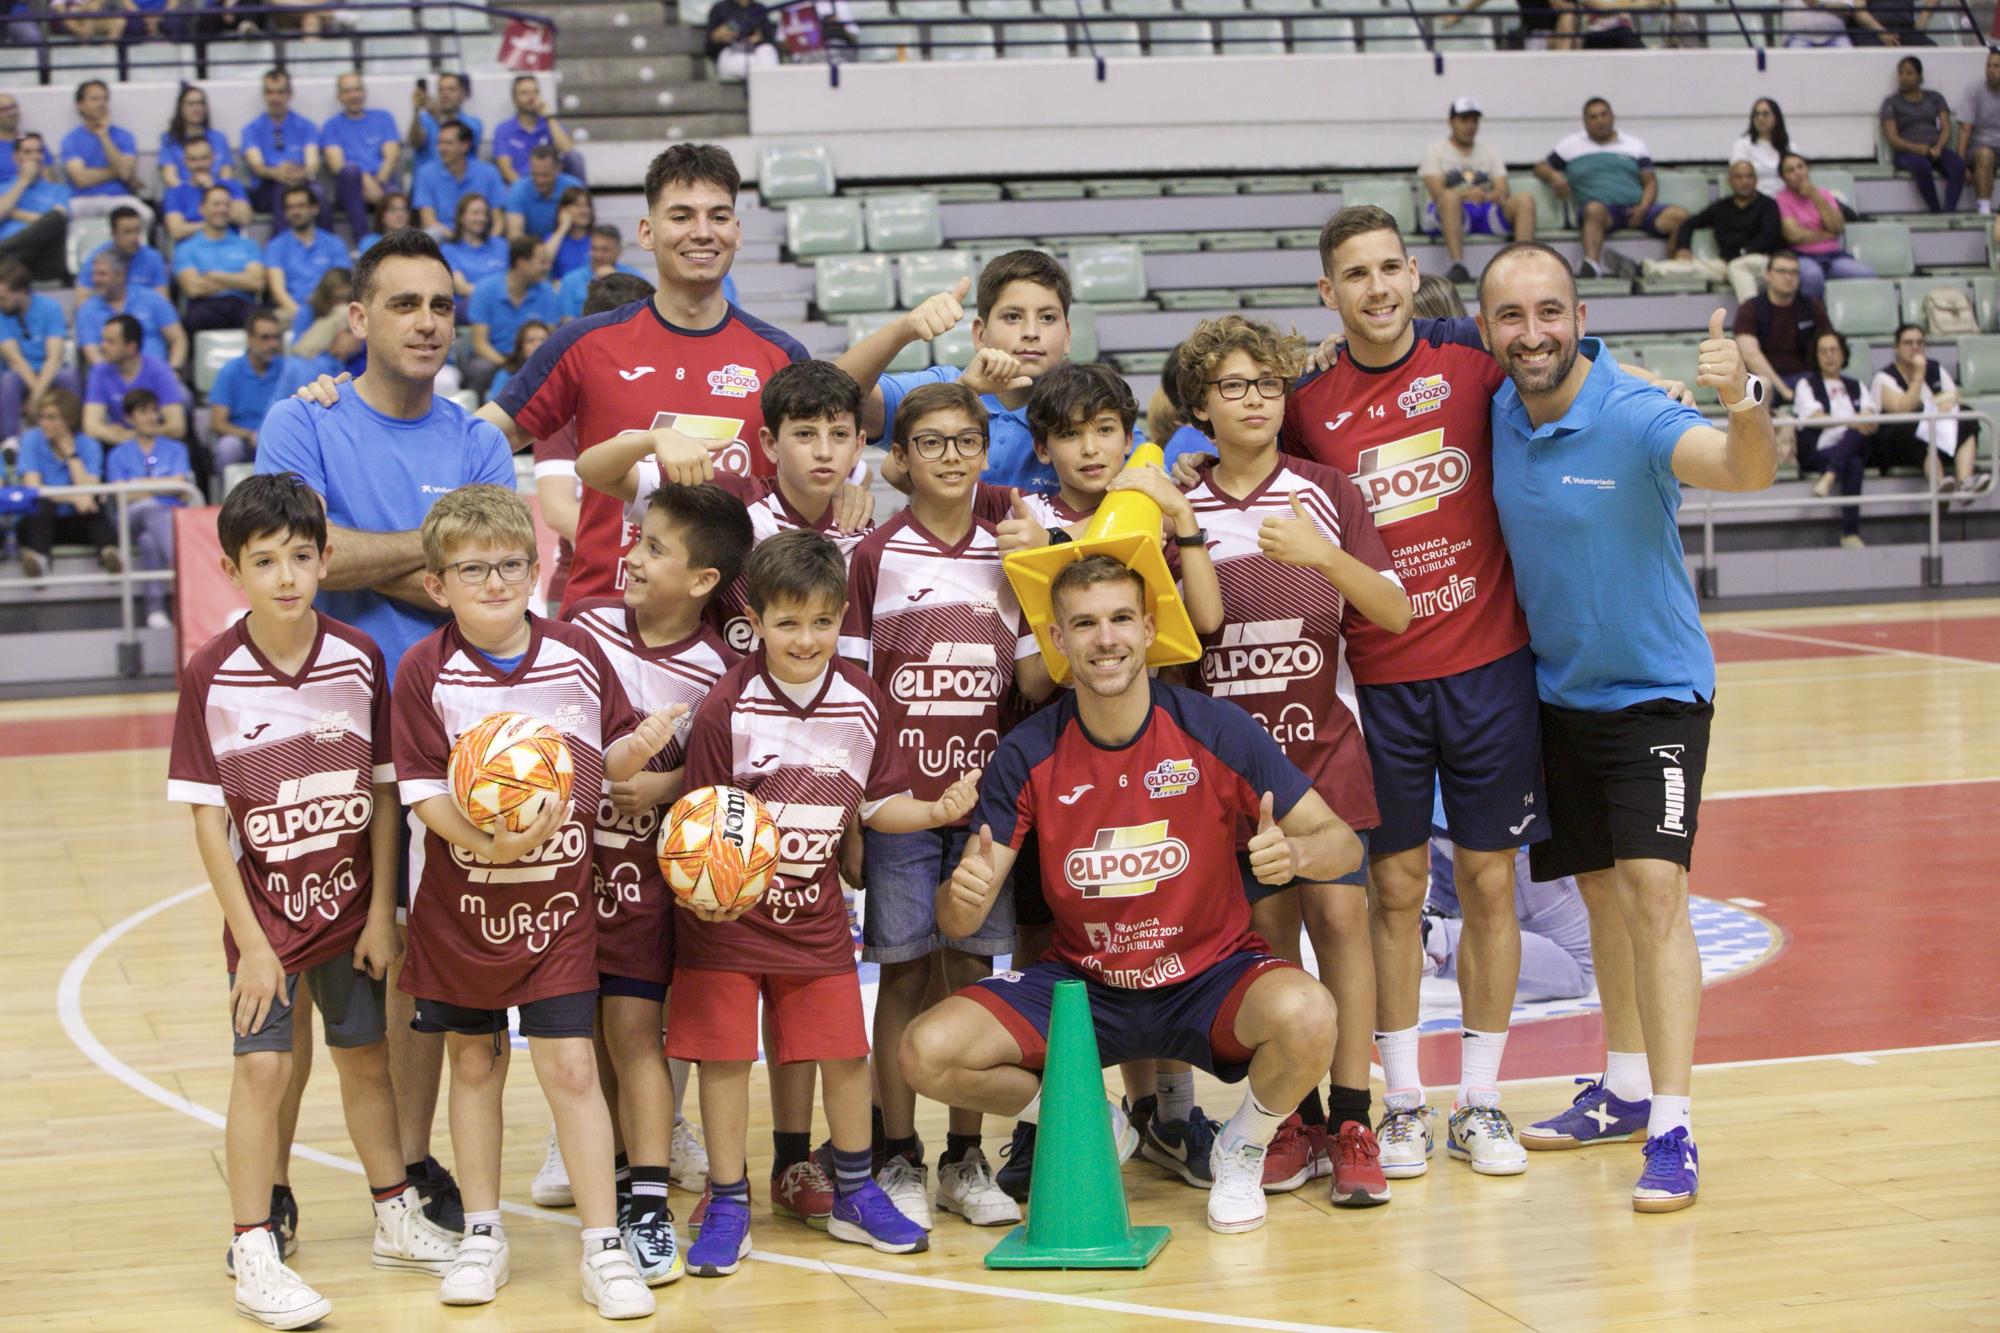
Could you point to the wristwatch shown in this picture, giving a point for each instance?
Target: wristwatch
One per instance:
(1753, 395)
(1199, 537)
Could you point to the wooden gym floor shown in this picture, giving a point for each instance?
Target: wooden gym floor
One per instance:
(1850, 1081)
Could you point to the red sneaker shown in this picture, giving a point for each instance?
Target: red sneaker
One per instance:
(804, 1193)
(700, 1213)
(1358, 1181)
(1288, 1161)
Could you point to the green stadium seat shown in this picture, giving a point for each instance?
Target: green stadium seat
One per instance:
(214, 349)
(1034, 41)
(1913, 294)
(1000, 9)
(1551, 212)
(929, 9)
(823, 227)
(1979, 364)
(964, 41)
(1139, 363)
(1702, 244)
(1199, 298)
(915, 356)
(1142, 9)
(1198, 185)
(1281, 6)
(1164, 242)
(886, 43)
(1835, 182)
(1059, 189)
(1986, 300)
(795, 171)
(1181, 37)
(1280, 298)
(904, 222)
(966, 192)
(1883, 246)
(1391, 33)
(1669, 360)
(853, 284)
(1114, 39)
(1323, 34)
(924, 274)
(1863, 305)
(1123, 187)
(871, 11)
(1392, 195)
(1299, 238)
(1860, 360)
(1108, 273)
(953, 348)
(1685, 189)
(1253, 37)
(1082, 333)
(1069, 9)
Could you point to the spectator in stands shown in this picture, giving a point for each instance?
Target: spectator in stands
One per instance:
(534, 198)
(1915, 383)
(504, 302)
(1609, 176)
(1748, 231)
(473, 251)
(34, 214)
(33, 330)
(111, 295)
(1917, 123)
(150, 450)
(1892, 22)
(245, 388)
(1467, 182)
(321, 339)
(1838, 453)
(363, 151)
(1816, 23)
(1777, 331)
(10, 134)
(1763, 144)
(126, 367)
(90, 20)
(1814, 226)
(144, 266)
(438, 187)
(295, 257)
(431, 112)
(1437, 298)
(1979, 130)
(1167, 423)
(280, 147)
(532, 335)
(1608, 25)
(180, 210)
(532, 127)
(740, 34)
(220, 270)
(392, 213)
(100, 160)
(569, 243)
(606, 244)
(190, 124)
(56, 452)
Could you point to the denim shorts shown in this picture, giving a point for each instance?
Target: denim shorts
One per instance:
(902, 872)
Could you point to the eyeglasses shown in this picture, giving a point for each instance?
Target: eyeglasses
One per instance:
(930, 448)
(1233, 387)
(472, 573)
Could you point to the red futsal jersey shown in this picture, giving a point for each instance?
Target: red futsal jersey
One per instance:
(1138, 842)
(635, 912)
(1417, 439)
(486, 936)
(813, 764)
(939, 631)
(295, 760)
(628, 369)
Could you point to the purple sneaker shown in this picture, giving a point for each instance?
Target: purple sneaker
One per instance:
(866, 1217)
(1672, 1174)
(724, 1239)
(1595, 1116)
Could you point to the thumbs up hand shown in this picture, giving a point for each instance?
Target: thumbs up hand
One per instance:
(939, 314)
(1296, 540)
(958, 799)
(972, 882)
(1020, 530)
(1273, 857)
(994, 371)
(1720, 363)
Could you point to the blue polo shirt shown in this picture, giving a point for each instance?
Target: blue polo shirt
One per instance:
(146, 268)
(518, 145)
(492, 306)
(381, 474)
(574, 289)
(361, 137)
(39, 197)
(185, 200)
(303, 262)
(232, 252)
(107, 387)
(39, 456)
(475, 263)
(173, 153)
(80, 145)
(427, 153)
(538, 209)
(295, 133)
(572, 252)
(153, 311)
(1010, 449)
(249, 395)
(1588, 506)
(439, 189)
(33, 327)
(132, 461)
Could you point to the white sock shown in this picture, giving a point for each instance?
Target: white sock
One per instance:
(1628, 1076)
(677, 1074)
(1479, 1067)
(1668, 1112)
(1251, 1124)
(1176, 1094)
(1985, 205)
(1405, 1086)
(1032, 1112)
(489, 1219)
(599, 1238)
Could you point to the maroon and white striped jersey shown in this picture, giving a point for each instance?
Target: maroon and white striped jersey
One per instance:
(635, 911)
(1280, 653)
(295, 760)
(813, 765)
(487, 936)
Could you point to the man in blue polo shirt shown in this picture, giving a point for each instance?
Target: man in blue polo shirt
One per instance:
(431, 112)
(606, 244)
(100, 160)
(534, 199)
(32, 333)
(219, 269)
(1588, 465)
(144, 266)
(380, 457)
(437, 188)
(180, 207)
(281, 147)
(502, 303)
(125, 368)
(245, 388)
(531, 126)
(296, 257)
(34, 213)
(162, 334)
(363, 150)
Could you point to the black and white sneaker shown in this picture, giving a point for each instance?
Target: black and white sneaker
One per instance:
(285, 1227)
(442, 1204)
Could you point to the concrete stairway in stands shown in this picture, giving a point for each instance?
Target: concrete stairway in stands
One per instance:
(633, 72)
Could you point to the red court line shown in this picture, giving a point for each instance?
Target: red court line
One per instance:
(1735, 646)
(1976, 637)
(76, 735)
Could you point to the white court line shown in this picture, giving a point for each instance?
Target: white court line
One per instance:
(69, 1006)
(1839, 789)
(1879, 649)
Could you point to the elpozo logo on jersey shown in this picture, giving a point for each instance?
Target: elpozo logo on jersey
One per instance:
(1426, 394)
(1410, 477)
(734, 381)
(1126, 862)
(1260, 656)
(955, 680)
(310, 813)
(1172, 777)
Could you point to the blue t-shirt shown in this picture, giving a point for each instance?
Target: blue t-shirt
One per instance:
(574, 290)
(1186, 440)
(39, 456)
(304, 262)
(146, 268)
(153, 311)
(1010, 449)
(280, 142)
(232, 252)
(517, 145)
(131, 461)
(80, 145)
(249, 395)
(538, 209)
(39, 197)
(33, 327)
(572, 252)
(1587, 505)
(381, 474)
(173, 153)
(492, 306)
(361, 137)
(427, 151)
(476, 262)
(361, 246)
(108, 387)
(436, 188)
(185, 200)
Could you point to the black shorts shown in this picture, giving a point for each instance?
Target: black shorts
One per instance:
(573, 1015)
(1030, 907)
(1622, 785)
(636, 988)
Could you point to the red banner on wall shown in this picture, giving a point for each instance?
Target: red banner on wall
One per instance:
(527, 46)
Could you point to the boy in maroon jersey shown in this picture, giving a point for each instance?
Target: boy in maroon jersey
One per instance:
(803, 731)
(281, 745)
(1294, 548)
(502, 919)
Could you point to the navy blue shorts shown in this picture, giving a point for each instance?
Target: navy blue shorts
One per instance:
(1477, 734)
(1192, 1020)
(573, 1015)
(1256, 890)
(1627, 215)
(637, 988)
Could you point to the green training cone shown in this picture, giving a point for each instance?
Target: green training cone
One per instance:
(1076, 1201)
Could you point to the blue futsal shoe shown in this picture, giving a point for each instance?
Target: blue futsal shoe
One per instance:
(1595, 1116)
(866, 1217)
(1672, 1174)
(724, 1239)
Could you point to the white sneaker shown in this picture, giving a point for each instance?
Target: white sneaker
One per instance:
(479, 1270)
(612, 1285)
(1123, 1133)
(1485, 1137)
(1407, 1139)
(551, 1187)
(269, 1292)
(407, 1240)
(687, 1163)
(907, 1184)
(967, 1187)
(1236, 1199)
